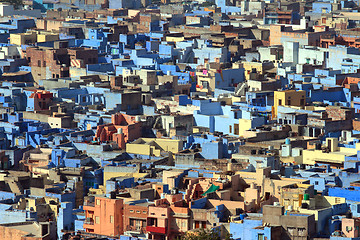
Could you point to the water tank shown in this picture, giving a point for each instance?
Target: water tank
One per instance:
(277, 204)
(96, 186)
(168, 73)
(306, 196)
(242, 216)
(120, 131)
(138, 118)
(287, 141)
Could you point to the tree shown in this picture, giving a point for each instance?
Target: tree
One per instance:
(207, 4)
(204, 234)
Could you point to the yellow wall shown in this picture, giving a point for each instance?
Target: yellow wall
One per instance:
(134, 148)
(334, 200)
(47, 37)
(289, 98)
(312, 155)
(248, 66)
(15, 39)
(175, 39)
(21, 38)
(170, 145)
(244, 125)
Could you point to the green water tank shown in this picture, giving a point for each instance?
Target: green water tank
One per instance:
(306, 196)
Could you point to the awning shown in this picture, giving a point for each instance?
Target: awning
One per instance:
(211, 189)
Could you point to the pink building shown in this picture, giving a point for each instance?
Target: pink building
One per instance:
(123, 128)
(169, 218)
(350, 227)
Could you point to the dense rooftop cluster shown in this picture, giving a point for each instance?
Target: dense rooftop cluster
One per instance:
(154, 119)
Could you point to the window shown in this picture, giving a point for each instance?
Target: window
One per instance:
(144, 212)
(260, 236)
(44, 63)
(289, 102)
(280, 102)
(292, 231)
(98, 202)
(39, 63)
(230, 129)
(111, 219)
(137, 211)
(316, 183)
(97, 220)
(301, 231)
(131, 211)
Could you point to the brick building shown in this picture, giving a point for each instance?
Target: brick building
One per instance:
(135, 217)
(123, 128)
(55, 62)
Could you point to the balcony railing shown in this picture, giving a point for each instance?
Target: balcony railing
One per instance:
(90, 204)
(154, 229)
(136, 229)
(89, 222)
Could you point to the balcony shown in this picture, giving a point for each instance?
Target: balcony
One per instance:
(89, 222)
(154, 229)
(89, 201)
(137, 229)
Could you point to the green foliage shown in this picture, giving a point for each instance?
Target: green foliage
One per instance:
(207, 4)
(204, 234)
